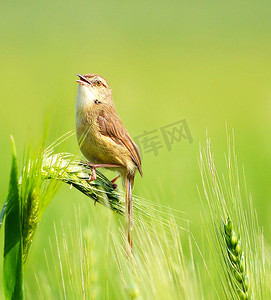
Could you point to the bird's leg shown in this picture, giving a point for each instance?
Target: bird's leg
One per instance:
(103, 165)
(95, 166)
(114, 180)
(93, 175)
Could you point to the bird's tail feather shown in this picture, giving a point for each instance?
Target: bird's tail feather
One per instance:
(129, 209)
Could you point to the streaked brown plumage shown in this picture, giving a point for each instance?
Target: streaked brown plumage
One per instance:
(102, 137)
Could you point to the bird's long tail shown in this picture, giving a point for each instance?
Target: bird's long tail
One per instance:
(129, 209)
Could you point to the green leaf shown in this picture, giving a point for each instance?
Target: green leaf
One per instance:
(13, 259)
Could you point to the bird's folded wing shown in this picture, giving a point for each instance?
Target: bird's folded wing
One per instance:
(111, 126)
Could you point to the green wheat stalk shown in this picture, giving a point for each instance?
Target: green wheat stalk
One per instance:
(40, 180)
(245, 267)
(236, 260)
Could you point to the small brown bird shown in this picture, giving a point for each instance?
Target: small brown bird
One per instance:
(102, 137)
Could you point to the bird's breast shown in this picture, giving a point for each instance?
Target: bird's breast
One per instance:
(101, 149)
(87, 139)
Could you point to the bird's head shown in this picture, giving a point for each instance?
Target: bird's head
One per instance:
(93, 90)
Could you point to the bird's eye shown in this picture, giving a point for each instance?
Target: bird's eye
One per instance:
(97, 101)
(98, 82)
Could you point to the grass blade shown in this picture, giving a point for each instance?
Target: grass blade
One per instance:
(13, 262)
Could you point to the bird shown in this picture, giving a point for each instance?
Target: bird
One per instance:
(103, 139)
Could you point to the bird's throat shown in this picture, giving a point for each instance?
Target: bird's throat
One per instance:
(84, 100)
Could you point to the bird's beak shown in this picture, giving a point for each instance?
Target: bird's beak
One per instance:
(83, 80)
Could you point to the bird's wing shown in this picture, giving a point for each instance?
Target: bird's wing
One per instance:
(111, 126)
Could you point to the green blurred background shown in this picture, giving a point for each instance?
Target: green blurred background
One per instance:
(207, 62)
